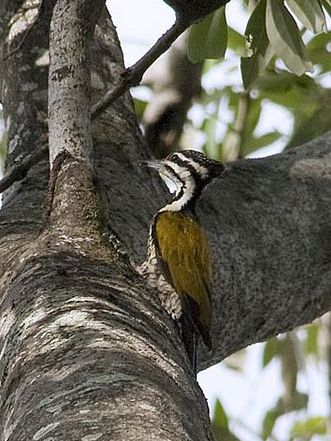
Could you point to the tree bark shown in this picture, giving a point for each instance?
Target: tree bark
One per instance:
(86, 350)
(84, 353)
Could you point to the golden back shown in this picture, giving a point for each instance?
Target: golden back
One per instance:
(183, 248)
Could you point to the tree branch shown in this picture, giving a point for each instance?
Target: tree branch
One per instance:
(187, 12)
(269, 226)
(133, 75)
(24, 98)
(71, 29)
(27, 32)
(77, 320)
(19, 171)
(268, 223)
(70, 129)
(195, 10)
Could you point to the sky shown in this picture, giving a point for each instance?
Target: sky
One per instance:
(248, 396)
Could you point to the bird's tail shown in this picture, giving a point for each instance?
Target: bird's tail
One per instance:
(189, 332)
(189, 337)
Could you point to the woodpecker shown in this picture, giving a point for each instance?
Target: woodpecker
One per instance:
(178, 257)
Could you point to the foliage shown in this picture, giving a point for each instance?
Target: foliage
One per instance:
(282, 65)
(271, 30)
(305, 430)
(291, 352)
(208, 39)
(276, 68)
(220, 426)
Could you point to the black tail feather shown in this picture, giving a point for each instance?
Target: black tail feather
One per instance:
(189, 331)
(189, 337)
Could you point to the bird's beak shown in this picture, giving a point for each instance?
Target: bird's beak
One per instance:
(164, 173)
(154, 163)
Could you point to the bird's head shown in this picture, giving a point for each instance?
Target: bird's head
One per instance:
(186, 173)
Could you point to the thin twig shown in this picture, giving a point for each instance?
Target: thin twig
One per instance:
(133, 75)
(19, 171)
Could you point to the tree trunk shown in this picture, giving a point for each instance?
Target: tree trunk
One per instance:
(86, 350)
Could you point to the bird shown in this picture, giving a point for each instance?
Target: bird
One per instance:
(178, 257)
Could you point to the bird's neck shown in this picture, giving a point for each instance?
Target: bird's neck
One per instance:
(186, 196)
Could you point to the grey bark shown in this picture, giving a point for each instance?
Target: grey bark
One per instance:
(86, 350)
(71, 30)
(81, 335)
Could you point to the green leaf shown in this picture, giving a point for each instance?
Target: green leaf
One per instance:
(208, 38)
(249, 142)
(271, 350)
(284, 37)
(269, 421)
(290, 91)
(3, 150)
(317, 50)
(220, 425)
(310, 13)
(284, 82)
(220, 418)
(298, 401)
(224, 435)
(237, 42)
(256, 143)
(327, 6)
(309, 103)
(210, 146)
(305, 430)
(139, 107)
(312, 119)
(261, 52)
(311, 343)
(253, 115)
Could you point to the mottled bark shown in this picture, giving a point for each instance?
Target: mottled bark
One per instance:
(84, 353)
(269, 222)
(71, 31)
(86, 350)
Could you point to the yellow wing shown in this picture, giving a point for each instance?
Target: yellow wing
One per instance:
(183, 248)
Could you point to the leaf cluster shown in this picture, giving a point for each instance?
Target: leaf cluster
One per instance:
(290, 352)
(271, 30)
(277, 53)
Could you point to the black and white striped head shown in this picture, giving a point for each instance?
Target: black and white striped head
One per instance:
(186, 173)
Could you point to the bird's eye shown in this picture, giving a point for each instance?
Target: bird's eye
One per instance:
(174, 156)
